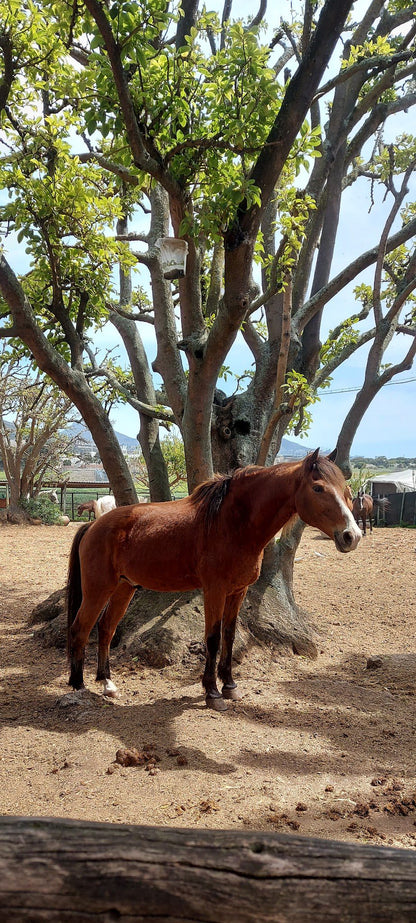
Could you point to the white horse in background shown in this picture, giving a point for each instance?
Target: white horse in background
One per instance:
(98, 507)
(50, 494)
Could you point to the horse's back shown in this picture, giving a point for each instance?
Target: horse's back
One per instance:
(142, 518)
(105, 504)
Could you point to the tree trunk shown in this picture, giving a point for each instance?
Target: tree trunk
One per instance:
(148, 436)
(270, 612)
(149, 428)
(55, 870)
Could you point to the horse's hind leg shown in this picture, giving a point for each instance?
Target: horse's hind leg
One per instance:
(231, 610)
(112, 615)
(79, 633)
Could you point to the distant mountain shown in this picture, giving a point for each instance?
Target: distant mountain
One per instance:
(128, 441)
(288, 448)
(79, 431)
(293, 449)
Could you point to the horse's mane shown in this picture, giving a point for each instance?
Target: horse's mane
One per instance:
(210, 495)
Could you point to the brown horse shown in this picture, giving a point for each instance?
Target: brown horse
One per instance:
(213, 539)
(97, 507)
(363, 506)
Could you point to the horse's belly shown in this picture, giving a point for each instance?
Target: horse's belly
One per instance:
(165, 583)
(162, 572)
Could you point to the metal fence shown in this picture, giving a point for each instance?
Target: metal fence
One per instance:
(70, 496)
(401, 510)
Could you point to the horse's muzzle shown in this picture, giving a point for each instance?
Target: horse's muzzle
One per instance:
(347, 540)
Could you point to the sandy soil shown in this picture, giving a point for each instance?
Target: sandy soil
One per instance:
(325, 748)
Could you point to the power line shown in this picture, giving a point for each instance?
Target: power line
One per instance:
(403, 381)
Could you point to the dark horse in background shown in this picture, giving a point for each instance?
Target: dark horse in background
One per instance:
(363, 507)
(213, 539)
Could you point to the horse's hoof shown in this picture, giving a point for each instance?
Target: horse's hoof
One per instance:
(231, 692)
(110, 690)
(216, 702)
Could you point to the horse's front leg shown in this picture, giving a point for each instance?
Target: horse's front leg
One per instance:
(112, 615)
(214, 606)
(232, 607)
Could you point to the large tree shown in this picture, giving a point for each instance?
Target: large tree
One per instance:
(167, 119)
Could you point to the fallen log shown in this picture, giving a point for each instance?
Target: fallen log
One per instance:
(68, 871)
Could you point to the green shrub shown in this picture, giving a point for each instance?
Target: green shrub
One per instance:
(43, 509)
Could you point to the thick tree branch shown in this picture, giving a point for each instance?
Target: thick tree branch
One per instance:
(299, 94)
(375, 65)
(8, 68)
(280, 406)
(348, 274)
(145, 155)
(156, 413)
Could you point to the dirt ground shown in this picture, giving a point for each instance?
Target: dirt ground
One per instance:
(324, 748)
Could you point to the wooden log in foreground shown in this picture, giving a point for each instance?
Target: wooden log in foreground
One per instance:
(69, 871)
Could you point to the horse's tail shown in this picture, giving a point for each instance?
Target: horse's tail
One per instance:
(73, 586)
(382, 502)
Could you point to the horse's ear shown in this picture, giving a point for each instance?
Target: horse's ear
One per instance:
(332, 456)
(311, 460)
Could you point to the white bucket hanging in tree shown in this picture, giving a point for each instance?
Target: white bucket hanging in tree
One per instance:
(173, 253)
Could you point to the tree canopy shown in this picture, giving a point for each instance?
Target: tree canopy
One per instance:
(126, 122)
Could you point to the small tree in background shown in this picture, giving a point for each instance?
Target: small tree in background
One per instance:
(174, 457)
(33, 414)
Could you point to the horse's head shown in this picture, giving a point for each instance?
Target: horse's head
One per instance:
(86, 507)
(360, 498)
(323, 500)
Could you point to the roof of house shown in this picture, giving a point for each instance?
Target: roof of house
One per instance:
(402, 480)
(86, 474)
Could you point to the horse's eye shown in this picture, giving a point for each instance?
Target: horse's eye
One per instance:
(318, 489)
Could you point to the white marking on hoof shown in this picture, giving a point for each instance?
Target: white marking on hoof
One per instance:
(110, 689)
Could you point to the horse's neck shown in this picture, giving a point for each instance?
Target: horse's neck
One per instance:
(270, 500)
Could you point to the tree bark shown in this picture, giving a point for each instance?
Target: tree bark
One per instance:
(271, 613)
(53, 870)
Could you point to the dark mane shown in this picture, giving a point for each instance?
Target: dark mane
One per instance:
(210, 495)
